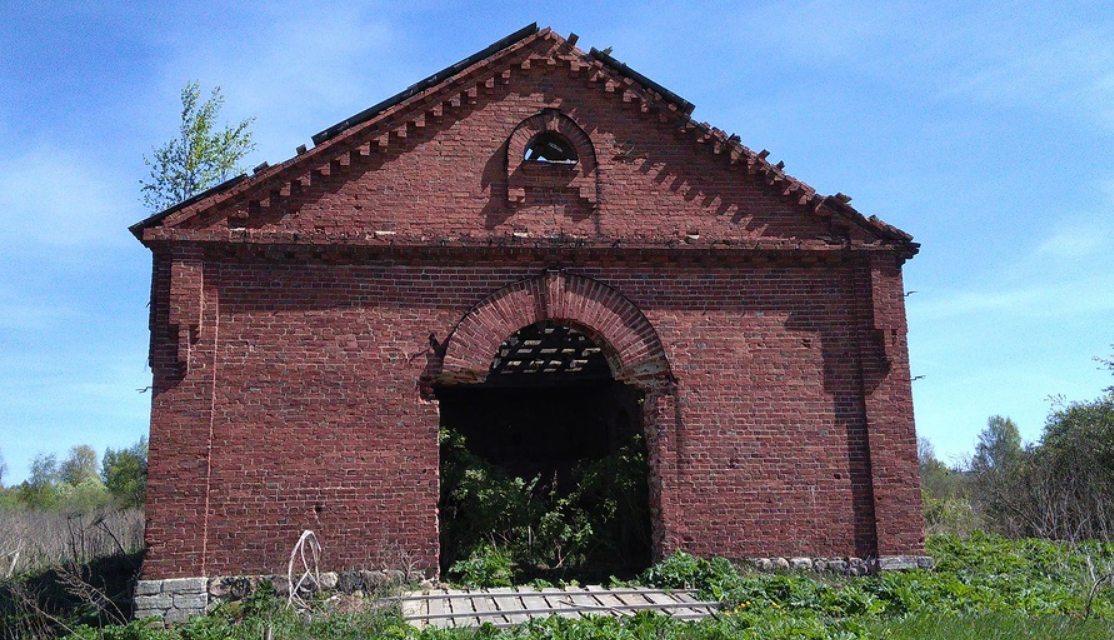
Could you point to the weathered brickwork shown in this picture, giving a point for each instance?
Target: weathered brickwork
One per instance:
(301, 320)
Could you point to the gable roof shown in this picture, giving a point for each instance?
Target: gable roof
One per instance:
(480, 70)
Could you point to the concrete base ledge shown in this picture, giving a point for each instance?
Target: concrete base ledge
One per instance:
(901, 563)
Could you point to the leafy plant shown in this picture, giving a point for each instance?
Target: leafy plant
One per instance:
(486, 567)
(201, 156)
(533, 523)
(124, 472)
(986, 587)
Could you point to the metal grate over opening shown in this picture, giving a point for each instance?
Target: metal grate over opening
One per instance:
(546, 352)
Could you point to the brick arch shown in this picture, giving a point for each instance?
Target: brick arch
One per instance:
(522, 175)
(630, 342)
(557, 122)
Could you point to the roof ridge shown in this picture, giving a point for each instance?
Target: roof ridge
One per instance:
(468, 77)
(425, 83)
(137, 228)
(349, 126)
(623, 69)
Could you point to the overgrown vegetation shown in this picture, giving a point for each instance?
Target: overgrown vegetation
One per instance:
(34, 540)
(202, 155)
(71, 539)
(1060, 487)
(263, 616)
(79, 484)
(984, 587)
(50, 602)
(1047, 572)
(497, 527)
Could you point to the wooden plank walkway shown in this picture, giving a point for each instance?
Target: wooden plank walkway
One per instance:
(507, 606)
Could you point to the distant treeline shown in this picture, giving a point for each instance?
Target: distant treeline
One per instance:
(1060, 487)
(80, 482)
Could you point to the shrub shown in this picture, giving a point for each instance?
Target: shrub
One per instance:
(533, 524)
(954, 516)
(486, 567)
(35, 540)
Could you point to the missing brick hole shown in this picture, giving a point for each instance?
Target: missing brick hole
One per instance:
(318, 508)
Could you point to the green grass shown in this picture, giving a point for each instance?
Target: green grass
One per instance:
(984, 588)
(991, 626)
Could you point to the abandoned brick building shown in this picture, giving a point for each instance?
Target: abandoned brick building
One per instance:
(535, 231)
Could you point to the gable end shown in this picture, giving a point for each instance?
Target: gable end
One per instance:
(383, 131)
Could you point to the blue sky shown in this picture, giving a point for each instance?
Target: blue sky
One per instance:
(985, 131)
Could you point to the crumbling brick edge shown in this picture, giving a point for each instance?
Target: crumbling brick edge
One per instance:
(176, 600)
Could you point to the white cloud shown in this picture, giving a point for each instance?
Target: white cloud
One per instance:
(1067, 272)
(1043, 58)
(29, 314)
(1085, 235)
(825, 31)
(56, 198)
(298, 70)
(1081, 295)
(1078, 240)
(1074, 72)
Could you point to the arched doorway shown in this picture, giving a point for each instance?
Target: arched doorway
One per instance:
(624, 370)
(545, 461)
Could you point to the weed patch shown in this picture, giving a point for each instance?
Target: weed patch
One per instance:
(984, 588)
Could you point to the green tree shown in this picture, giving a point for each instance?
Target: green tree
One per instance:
(1062, 487)
(81, 488)
(8, 497)
(79, 466)
(938, 480)
(944, 492)
(125, 474)
(996, 476)
(40, 489)
(202, 155)
(999, 446)
(1109, 364)
(72, 485)
(1075, 490)
(44, 470)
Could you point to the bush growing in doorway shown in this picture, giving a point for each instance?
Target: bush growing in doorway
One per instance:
(489, 515)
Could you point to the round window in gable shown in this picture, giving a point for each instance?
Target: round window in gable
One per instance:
(552, 148)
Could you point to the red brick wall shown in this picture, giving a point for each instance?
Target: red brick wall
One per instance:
(319, 421)
(291, 328)
(447, 179)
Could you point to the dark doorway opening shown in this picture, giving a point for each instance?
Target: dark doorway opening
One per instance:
(544, 464)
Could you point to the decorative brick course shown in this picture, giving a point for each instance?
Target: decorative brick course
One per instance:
(301, 320)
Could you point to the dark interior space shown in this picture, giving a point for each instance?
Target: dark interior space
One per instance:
(546, 431)
(550, 416)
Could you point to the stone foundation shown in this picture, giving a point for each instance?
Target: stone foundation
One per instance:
(172, 600)
(843, 566)
(178, 599)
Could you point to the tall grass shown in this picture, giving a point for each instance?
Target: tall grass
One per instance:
(33, 540)
(62, 568)
(997, 625)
